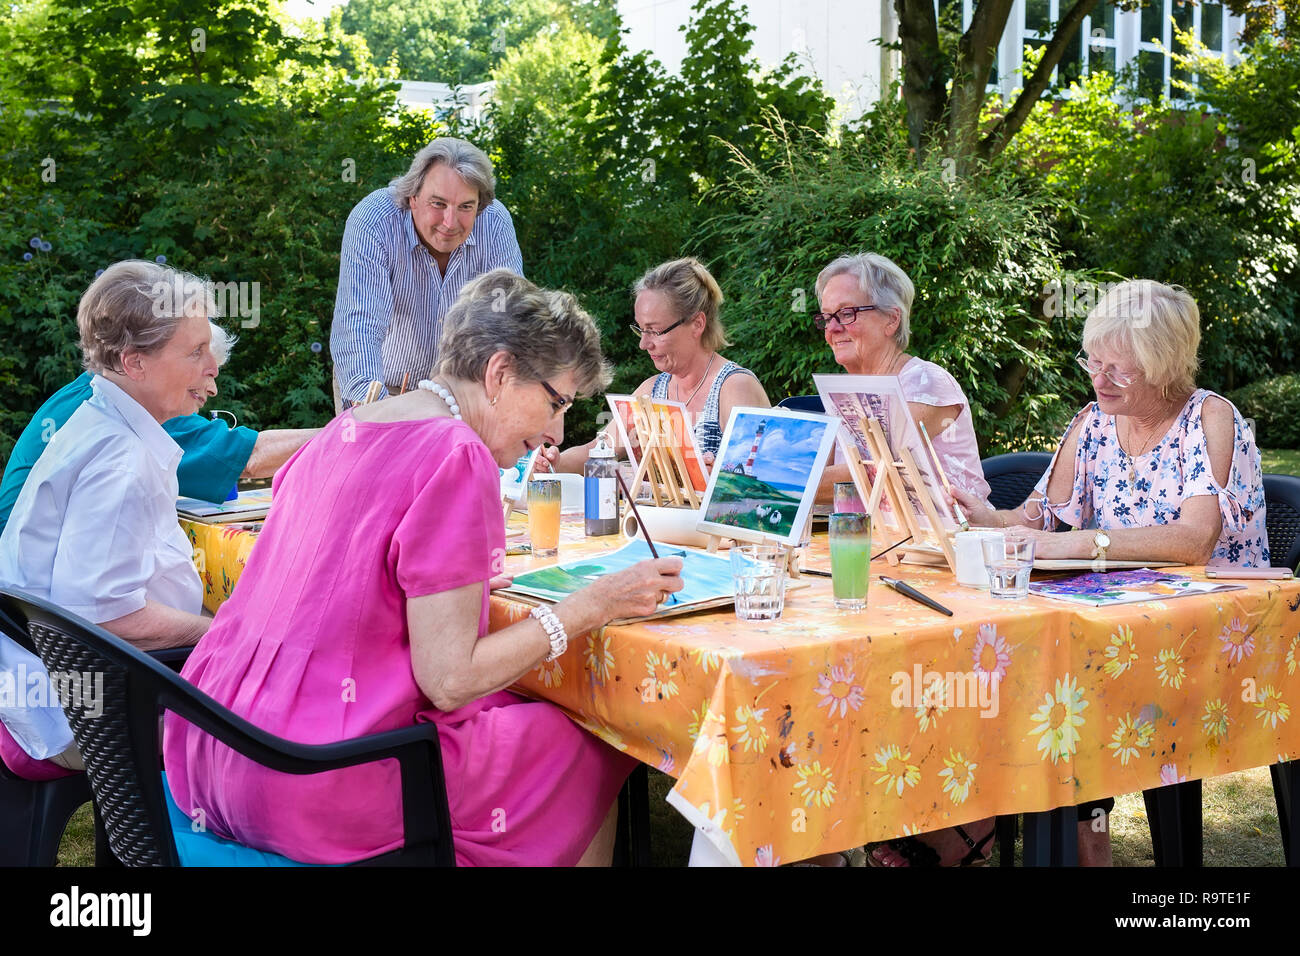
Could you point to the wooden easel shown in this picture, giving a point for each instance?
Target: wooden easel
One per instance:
(662, 467)
(891, 478)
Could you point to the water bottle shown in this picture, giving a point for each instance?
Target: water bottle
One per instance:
(600, 509)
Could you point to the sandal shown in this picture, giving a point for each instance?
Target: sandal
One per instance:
(924, 856)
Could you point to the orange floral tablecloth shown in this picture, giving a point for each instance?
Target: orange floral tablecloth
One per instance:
(827, 729)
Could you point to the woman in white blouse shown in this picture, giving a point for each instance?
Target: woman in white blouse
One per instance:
(94, 529)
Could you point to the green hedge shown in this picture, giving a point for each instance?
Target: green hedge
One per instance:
(1274, 404)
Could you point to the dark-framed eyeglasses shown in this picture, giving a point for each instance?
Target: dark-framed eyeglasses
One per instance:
(653, 334)
(845, 316)
(558, 402)
(1117, 378)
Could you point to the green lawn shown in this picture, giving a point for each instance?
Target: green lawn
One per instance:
(1285, 461)
(1240, 826)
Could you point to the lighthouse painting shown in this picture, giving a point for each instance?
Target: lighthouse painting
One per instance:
(767, 472)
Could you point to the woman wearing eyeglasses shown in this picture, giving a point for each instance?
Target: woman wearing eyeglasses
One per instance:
(866, 304)
(1155, 469)
(364, 608)
(676, 312)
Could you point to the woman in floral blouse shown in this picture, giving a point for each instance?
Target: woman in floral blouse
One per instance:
(1160, 470)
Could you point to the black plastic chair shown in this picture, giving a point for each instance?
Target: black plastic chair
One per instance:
(803, 403)
(34, 813)
(120, 747)
(1282, 519)
(1012, 477)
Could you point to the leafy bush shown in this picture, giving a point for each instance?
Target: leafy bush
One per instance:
(1274, 404)
(978, 252)
(1203, 200)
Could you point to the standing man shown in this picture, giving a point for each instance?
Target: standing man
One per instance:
(408, 250)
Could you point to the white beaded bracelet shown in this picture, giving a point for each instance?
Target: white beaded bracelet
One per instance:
(554, 630)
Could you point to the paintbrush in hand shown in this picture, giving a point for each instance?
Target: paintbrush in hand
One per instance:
(938, 467)
(641, 524)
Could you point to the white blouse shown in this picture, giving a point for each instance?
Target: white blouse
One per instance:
(94, 531)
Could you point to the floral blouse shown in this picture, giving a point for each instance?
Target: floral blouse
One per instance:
(1175, 469)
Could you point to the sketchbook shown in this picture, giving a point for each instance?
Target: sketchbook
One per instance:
(249, 506)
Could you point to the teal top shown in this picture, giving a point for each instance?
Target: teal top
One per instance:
(214, 455)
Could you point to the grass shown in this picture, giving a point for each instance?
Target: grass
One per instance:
(1284, 461)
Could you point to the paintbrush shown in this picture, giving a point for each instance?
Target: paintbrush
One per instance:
(938, 467)
(405, 378)
(641, 524)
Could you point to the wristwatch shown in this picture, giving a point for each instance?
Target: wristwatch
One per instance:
(1100, 542)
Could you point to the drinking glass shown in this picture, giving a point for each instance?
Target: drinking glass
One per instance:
(1008, 564)
(847, 500)
(850, 560)
(544, 516)
(758, 572)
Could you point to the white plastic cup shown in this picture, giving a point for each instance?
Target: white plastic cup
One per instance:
(971, 571)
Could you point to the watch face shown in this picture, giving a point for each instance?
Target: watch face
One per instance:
(1102, 539)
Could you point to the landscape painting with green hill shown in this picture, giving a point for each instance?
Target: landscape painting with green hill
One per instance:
(768, 468)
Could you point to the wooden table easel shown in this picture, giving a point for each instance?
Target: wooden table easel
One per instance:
(662, 467)
(891, 477)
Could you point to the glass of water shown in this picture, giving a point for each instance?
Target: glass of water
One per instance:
(1008, 564)
(758, 572)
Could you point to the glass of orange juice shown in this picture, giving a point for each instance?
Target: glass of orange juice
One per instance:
(544, 516)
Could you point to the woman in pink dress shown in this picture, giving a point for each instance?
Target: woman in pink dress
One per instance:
(866, 305)
(364, 608)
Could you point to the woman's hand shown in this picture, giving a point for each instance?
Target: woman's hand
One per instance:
(634, 592)
(979, 514)
(1047, 544)
(547, 460)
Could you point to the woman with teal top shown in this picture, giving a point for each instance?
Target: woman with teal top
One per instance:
(676, 319)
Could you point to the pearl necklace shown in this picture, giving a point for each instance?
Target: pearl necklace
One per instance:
(445, 394)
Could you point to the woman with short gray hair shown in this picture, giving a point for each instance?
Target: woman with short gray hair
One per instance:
(866, 308)
(390, 596)
(94, 527)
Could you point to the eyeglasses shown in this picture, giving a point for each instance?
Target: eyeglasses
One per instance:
(845, 316)
(558, 402)
(653, 334)
(1118, 379)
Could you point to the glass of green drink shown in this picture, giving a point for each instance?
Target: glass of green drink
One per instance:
(850, 559)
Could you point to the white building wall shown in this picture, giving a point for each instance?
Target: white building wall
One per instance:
(833, 40)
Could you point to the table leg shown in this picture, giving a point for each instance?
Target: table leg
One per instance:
(1286, 781)
(1174, 812)
(1051, 838)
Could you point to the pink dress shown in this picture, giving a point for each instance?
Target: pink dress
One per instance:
(928, 384)
(1112, 490)
(313, 646)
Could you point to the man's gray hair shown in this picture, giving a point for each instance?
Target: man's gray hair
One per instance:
(545, 332)
(136, 305)
(882, 281)
(470, 162)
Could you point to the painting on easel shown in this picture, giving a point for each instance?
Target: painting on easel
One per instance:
(880, 397)
(765, 479)
(660, 430)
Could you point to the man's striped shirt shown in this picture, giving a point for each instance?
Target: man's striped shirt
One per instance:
(392, 297)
